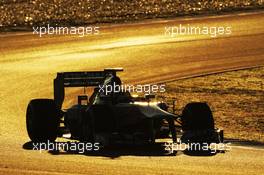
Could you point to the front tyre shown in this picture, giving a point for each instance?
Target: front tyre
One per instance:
(42, 120)
(198, 124)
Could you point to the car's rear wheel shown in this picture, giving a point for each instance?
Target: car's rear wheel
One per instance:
(42, 120)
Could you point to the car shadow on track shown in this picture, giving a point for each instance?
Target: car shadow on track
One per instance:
(110, 151)
(121, 150)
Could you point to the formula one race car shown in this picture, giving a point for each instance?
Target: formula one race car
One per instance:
(116, 117)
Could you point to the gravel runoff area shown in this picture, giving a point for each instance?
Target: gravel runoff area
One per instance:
(236, 99)
(22, 14)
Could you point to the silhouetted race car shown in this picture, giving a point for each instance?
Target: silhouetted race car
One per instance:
(116, 117)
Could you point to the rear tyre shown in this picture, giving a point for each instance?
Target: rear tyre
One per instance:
(42, 120)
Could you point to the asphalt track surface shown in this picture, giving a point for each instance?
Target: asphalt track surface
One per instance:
(29, 63)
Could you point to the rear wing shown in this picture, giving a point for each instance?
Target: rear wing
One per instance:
(79, 79)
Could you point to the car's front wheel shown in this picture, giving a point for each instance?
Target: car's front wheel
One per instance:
(198, 124)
